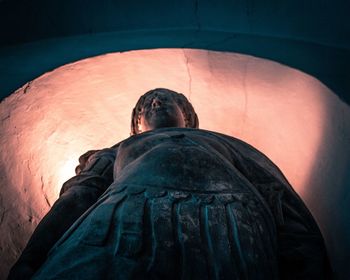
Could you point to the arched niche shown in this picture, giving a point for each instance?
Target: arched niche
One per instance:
(290, 116)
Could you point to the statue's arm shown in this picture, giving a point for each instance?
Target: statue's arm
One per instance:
(94, 175)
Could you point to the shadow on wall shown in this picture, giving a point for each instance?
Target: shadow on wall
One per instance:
(330, 195)
(291, 117)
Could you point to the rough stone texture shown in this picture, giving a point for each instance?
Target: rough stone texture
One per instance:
(187, 204)
(291, 117)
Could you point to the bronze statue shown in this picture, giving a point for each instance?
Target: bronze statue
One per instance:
(175, 202)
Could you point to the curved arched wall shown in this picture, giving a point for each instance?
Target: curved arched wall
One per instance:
(38, 36)
(290, 116)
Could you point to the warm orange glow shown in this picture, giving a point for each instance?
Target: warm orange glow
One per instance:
(66, 171)
(87, 105)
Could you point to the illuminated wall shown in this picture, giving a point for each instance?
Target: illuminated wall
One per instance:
(290, 116)
(307, 124)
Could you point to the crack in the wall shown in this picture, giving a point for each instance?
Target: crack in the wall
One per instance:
(210, 64)
(28, 166)
(3, 211)
(2, 216)
(5, 118)
(189, 75)
(27, 87)
(45, 195)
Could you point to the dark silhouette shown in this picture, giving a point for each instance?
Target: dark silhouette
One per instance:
(175, 202)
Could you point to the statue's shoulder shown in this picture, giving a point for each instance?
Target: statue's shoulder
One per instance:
(116, 146)
(247, 153)
(233, 142)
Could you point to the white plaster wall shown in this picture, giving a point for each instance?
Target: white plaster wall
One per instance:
(291, 117)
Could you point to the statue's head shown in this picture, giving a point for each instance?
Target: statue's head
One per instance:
(162, 107)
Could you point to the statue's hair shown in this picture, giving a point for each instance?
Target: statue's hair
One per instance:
(191, 118)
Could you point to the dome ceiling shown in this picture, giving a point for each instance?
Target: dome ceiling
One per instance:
(38, 36)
